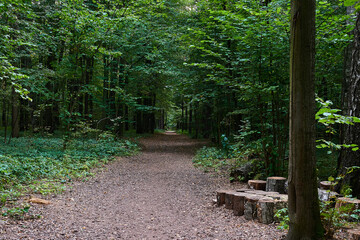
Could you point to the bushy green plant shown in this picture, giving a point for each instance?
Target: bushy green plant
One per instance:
(332, 218)
(16, 212)
(282, 215)
(210, 158)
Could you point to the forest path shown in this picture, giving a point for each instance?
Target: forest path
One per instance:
(157, 194)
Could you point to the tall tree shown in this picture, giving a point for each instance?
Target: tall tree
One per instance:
(351, 107)
(304, 212)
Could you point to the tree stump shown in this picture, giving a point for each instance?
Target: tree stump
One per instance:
(242, 189)
(250, 212)
(275, 184)
(220, 197)
(239, 203)
(265, 210)
(277, 196)
(257, 192)
(343, 201)
(326, 195)
(257, 184)
(327, 185)
(229, 196)
(354, 234)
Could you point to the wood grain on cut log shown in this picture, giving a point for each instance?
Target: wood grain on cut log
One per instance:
(265, 210)
(277, 196)
(229, 195)
(242, 189)
(327, 185)
(239, 203)
(220, 197)
(343, 201)
(275, 184)
(354, 234)
(257, 192)
(257, 184)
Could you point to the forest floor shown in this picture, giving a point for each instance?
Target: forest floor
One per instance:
(157, 194)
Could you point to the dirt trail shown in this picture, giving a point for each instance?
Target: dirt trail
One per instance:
(157, 194)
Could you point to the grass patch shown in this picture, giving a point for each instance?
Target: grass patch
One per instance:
(40, 164)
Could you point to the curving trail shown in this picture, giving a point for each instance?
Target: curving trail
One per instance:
(157, 194)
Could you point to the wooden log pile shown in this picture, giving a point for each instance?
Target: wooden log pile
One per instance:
(252, 204)
(354, 234)
(264, 198)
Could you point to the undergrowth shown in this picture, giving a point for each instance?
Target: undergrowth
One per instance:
(41, 165)
(210, 158)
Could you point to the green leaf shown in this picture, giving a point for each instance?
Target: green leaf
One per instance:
(348, 3)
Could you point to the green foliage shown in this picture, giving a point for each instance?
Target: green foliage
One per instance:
(334, 219)
(17, 213)
(282, 215)
(210, 158)
(43, 165)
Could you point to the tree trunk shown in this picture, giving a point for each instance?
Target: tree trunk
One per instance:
(304, 212)
(351, 107)
(190, 118)
(15, 121)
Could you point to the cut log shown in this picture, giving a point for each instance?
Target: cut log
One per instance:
(242, 189)
(326, 195)
(265, 210)
(278, 196)
(354, 234)
(239, 203)
(256, 192)
(250, 210)
(275, 184)
(257, 184)
(39, 201)
(229, 196)
(327, 185)
(343, 201)
(220, 197)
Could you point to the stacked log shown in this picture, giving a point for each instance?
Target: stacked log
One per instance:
(229, 196)
(220, 197)
(265, 210)
(257, 184)
(253, 204)
(327, 185)
(354, 234)
(239, 203)
(275, 184)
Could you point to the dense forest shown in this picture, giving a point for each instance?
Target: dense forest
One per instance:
(215, 69)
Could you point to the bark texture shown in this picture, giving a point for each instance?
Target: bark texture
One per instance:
(304, 211)
(351, 107)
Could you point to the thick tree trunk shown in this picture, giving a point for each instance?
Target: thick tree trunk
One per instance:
(304, 212)
(351, 107)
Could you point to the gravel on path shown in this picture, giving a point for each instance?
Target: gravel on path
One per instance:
(157, 194)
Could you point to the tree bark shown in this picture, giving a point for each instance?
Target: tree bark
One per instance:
(15, 121)
(304, 211)
(350, 134)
